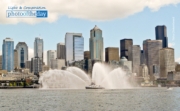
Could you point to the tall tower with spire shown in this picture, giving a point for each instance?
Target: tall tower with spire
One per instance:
(96, 44)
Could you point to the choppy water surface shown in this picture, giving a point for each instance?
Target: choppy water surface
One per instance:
(144, 99)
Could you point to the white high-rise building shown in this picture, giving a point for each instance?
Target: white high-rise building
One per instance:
(74, 43)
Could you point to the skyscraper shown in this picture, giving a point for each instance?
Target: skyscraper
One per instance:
(74, 43)
(151, 49)
(22, 50)
(124, 45)
(161, 34)
(51, 54)
(78, 48)
(61, 51)
(96, 44)
(111, 53)
(166, 61)
(8, 54)
(134, 56)
(38, 48)
(16, 59)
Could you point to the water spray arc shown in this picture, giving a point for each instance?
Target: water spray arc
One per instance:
(75, 78)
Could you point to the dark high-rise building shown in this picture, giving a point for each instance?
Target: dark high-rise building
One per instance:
(86, 54)
(124, 45)
(111, 53)
(161, 34)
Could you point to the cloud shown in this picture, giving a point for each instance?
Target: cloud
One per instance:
(95, 10)
(171, 45)
(31, 54)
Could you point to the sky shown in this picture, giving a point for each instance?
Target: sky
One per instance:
(118, 19)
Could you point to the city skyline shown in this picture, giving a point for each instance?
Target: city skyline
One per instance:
(133, 26)
(31, 54)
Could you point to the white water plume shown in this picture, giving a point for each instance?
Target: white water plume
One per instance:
(75, 78)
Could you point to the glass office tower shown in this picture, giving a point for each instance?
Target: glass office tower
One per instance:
(22, 50)
(74, 46)
(78, 48)
(96, 44)
(161, 34)
(8, 54)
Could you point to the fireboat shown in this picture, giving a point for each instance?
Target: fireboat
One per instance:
(93, 86)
